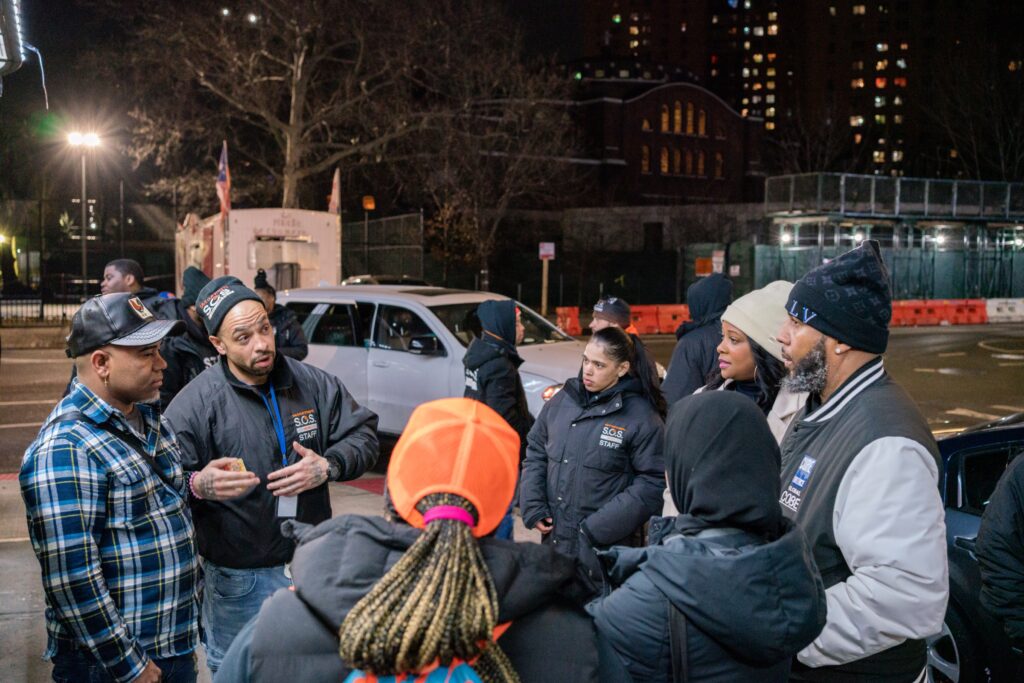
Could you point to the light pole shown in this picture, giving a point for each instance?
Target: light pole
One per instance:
(84, 141)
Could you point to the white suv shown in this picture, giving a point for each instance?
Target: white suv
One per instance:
(395, 346)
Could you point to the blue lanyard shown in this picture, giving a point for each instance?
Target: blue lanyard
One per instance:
(275, 417)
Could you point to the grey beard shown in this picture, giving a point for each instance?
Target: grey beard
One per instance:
(810, 374)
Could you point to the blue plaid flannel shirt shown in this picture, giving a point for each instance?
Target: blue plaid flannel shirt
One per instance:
(115, 543)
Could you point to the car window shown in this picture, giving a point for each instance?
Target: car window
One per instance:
(335, 328)
(980, 471)
(396, 326)
(461, 320)
(301, 309)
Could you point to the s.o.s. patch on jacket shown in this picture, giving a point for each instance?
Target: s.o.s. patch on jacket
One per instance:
(611, 436)
(305, 424)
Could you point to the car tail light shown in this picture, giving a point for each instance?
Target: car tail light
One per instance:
(550, 392)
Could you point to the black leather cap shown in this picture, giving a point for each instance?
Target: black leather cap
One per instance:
(118, 319)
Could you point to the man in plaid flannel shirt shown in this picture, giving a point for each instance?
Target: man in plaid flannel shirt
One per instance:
(107, 506)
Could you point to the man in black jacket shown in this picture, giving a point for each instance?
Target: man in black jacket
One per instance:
(289, 337)
(1000, 551)
(187, 355)
(125, 275)
(694, 357)
(294, 426)
(492, 373)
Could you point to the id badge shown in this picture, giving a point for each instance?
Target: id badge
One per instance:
(287, 506)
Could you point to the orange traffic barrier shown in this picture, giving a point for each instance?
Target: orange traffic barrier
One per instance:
(965, 311)
(568, 318)
(671, 317)
(645, 319)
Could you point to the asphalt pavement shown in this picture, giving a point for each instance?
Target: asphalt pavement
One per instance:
(959, 376)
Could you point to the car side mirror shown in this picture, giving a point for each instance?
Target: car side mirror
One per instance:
(427, 345)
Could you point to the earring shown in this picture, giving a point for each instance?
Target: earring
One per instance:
(838, 351)
(106, 381)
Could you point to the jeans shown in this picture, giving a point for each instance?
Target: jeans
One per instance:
(81, 667)
(231, 598)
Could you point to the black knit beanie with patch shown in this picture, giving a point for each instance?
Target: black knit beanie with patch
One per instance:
(849, 299)
(218, 297)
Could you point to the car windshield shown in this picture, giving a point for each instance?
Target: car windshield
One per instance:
(462, 321)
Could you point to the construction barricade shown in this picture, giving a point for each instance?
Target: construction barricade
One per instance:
(671, 317)
(645, 319)
(1004, 310)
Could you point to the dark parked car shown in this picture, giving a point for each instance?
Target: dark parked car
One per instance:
(972, 646)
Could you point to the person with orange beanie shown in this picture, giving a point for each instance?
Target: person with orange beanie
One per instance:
(430, 595)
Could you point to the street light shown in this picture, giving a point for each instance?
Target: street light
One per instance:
(84, 141)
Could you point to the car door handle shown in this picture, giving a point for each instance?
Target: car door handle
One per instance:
(967, 543)
(381, 363)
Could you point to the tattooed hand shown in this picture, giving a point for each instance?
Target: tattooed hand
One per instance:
(308, 473)
(218, 481)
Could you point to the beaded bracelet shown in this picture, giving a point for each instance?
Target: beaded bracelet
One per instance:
(192, 485)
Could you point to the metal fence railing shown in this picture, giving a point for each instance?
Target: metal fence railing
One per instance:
(884, 196)
(20, 310)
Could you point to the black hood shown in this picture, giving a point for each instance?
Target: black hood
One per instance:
(499, 319)
(707, 299)
(723, 465)
(481, 351)
(337, 562)
(194, 330)
(721, 585)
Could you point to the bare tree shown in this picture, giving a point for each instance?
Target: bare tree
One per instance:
(813, 142)
(300, 86)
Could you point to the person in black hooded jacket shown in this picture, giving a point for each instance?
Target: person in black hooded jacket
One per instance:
(492, 366)
(695, 357)
(289, 337)
(187, 355)
(594, 473)
(733, 578)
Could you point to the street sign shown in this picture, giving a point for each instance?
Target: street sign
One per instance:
(547, 251)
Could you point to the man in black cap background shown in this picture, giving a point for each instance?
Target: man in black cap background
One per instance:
(292, 425)
(611, 311)
(289, 338)
(106, 501)
(859, 476)
(188, 354)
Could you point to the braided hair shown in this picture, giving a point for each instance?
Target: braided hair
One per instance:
(437, 603)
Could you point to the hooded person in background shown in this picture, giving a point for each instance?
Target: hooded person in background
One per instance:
(187, 355)
(289, 337)
(464, 603)
(695, 355)
(492, 374)
(730, 583)
(860, 471)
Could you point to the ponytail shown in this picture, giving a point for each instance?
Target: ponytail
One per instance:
(620, 347)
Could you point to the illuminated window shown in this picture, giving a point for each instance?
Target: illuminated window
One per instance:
(880, 82)
(759, 30)
(856, 121)
(769, 98)
(879, 101)
(879, 156)
(897, 155)
(702, 123)
(714, 72)
(746, 44)
(897, 101)
(754, 72)
(664, 118)
(904, 46)
(1015, 65)
(857, 83)
(953, 154)
(880, 119)
(859, 9)
(645, 159)
(858, 65)
(769, 125)
(746, 30)
(634, 30)
(758, 57)
(634, 44)
(770, 85)
(773, 29)
(677, 162)
(689, 118)
(770, 71)
(745, 101)
(616, 18)
(719, 165)
(901, 63)
(646, 125)
(746, 72)
(677, 117)
(744, 111)
(700, 163)
(634, 17)
(756, 86)
(771, 57)
(832, 10)
(714, 18)
(682, 27)
(897, 118)
(689, 162)
(900, 81)
(882, 47)
(857, 138)
(599, 73)
(756, 99)
(664, 161)
(881, 65)
(773, 16)
(770, 112)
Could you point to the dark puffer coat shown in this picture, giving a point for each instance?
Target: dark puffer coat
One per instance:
(187, 355)
(295, 636)
(1000, 552)
(750, 606)
(594, 465)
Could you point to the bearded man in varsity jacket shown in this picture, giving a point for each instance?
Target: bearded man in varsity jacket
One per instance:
(859, 476)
